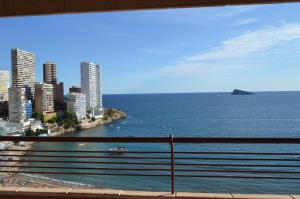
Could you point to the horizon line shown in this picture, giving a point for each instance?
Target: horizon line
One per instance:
(197, 92)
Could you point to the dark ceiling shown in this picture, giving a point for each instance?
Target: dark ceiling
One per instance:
(11, 8)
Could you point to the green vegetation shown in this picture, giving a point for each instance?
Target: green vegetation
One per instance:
(52, 120)
(38, 132)
(38, 116)
(109, 112)
(69, 120)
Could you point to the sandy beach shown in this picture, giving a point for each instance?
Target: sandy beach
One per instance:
(10, 177)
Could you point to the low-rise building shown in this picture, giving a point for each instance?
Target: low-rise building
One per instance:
(76, 103)
(75, 89)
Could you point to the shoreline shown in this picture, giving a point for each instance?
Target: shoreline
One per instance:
(110, 116)
(13, 178)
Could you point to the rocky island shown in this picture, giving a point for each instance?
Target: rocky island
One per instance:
(241, 92)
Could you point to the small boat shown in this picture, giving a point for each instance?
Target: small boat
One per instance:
(118, 150)
(82, 144)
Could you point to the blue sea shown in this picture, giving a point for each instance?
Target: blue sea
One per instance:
(265, 114)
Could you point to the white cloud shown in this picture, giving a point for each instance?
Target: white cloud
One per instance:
(231, 52)
(192, 15)
(246, 21)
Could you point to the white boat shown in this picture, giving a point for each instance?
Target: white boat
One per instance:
(118, 150)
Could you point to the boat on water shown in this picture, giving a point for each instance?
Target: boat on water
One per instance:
(118, 150)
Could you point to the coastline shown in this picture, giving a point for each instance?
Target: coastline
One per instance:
(110, 116)
(12, 178)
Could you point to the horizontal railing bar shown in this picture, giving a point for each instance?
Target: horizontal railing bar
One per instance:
(80, 151)
(240, 177)
(237, 140)
(237, 165)
(159, 158)
(240, 159)
(153, 163)
(154, 152)
(86, 139)
(237, 171)
(83, 173)
(84, 157)
(85, 168)
(156, 140)
(235, 153)
(153, 175)
(89, 162)
(154, 169)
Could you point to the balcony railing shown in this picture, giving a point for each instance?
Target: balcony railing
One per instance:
(157, 163)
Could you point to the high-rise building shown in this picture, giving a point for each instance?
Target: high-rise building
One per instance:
(17, 109)
(75, 89)
(49, 73)
(50, 77)
(44, 99)
(58, 90)
(91, 87)
(4, 84)
(76, 103)
(23, 71)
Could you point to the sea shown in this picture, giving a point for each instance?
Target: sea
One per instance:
(264, 114)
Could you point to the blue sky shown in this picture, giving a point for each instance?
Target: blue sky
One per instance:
(253, 48)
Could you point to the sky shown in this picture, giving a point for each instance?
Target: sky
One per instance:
(255, 48)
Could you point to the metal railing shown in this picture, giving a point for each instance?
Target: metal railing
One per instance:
(170, 163)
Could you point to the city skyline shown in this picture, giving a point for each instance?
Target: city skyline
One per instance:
(178, 50)
(48, 97)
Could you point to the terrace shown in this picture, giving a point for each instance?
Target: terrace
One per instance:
(173, 165)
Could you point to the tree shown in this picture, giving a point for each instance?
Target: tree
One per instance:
(30, 133)
(70, 120)
(52, 120)
(38, 116)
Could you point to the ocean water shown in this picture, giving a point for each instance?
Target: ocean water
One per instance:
(265, 114)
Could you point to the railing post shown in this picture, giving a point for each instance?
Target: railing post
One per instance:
(172, 165)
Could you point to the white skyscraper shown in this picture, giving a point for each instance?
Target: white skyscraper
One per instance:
(91, 87)
(23, 71)
(4, 84)
(76, 103)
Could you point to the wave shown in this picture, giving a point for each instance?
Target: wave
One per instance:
(56, 180)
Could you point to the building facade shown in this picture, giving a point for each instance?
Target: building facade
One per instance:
(17, 108)
(49, 73)
(76, 103)
(44, 98)
(4, 84)
(75, 89)
(58, 90)
(28, 109)
(91, 87)
(23, 71)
